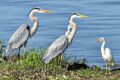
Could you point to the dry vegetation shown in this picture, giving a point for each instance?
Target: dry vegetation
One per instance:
(35, 69)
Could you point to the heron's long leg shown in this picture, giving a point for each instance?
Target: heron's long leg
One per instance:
(19, 54)
(59, 59)
(61, 56)
(25, 52)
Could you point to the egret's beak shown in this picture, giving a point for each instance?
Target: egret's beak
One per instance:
(97, 40)
(83, 16)
(45, 11)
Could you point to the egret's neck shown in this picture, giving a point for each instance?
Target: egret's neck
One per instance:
(74, 28)
(102, 48)
(35, 25)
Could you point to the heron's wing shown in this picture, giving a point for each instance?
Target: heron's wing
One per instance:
(56, 48)
(109, 55)
(19, 37)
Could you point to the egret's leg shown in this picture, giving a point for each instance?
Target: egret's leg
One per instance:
(106, 67)
(19, 55)
(25, 53)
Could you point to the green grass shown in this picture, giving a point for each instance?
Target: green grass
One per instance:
(35, 69)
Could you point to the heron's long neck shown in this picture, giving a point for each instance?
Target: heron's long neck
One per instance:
(35, 25)
(102, 48)
(72, 33)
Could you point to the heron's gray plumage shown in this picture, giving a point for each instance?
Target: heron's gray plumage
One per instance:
(18, 39)
(61, 44)
(56, 48)
(21, 36)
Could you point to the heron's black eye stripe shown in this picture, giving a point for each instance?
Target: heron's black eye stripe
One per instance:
(76, 14)
(37, 8)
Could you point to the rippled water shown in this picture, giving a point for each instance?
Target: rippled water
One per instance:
(104, 21)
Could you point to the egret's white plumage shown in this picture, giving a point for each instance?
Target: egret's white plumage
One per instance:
(22, 34)
(109, 57)
(61, 44)
(106, 53)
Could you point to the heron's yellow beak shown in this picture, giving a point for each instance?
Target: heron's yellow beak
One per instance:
(83, 16)
(45, 11)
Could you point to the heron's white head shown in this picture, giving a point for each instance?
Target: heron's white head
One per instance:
(39, 10)
(100, 40)
(36, 10)
(77, 15)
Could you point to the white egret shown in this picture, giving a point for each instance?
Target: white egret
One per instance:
(106, 53)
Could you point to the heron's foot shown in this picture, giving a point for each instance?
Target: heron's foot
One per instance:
(19, 61)
(19, 58)
(25, 57)
(59, 60)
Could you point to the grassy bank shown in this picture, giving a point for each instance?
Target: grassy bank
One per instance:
(35, 69)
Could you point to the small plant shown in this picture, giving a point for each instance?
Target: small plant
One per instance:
(33, 58)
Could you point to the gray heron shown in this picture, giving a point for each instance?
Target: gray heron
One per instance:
(23, 33)
(61, 44)
(106, 53)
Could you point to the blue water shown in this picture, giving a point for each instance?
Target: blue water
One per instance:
(104, 21)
